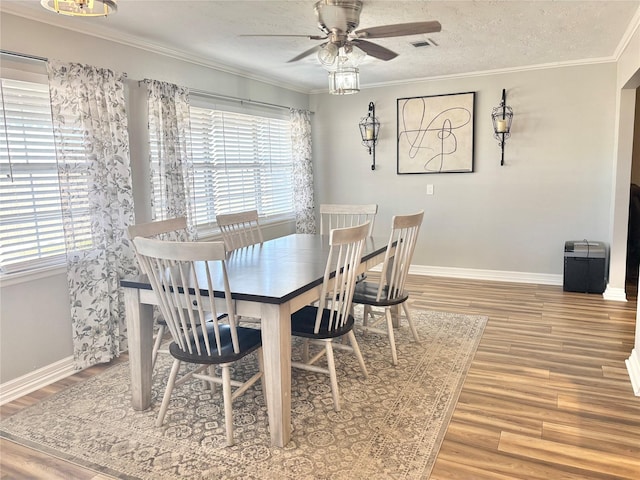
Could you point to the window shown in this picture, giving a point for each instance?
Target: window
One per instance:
(31, 233)
(241, 162)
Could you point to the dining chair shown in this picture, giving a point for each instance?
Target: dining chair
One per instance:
(171, 229)
(346, 215)
(389, 291)
(338, 215)
(240, 229)
(203, 326)
(331, 318)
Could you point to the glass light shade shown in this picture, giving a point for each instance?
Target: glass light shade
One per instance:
(344, 81)
(333, 58)
(81, 8)
(501, 117)
(327, 55)
(356, 56)
(369, 128)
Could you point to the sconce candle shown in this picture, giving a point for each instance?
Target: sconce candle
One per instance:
(501, 126)
(369, 132)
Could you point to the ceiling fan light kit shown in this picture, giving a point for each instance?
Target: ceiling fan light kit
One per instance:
(81, 8)
(342, 64)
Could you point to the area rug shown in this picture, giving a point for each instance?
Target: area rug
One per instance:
(390, 426)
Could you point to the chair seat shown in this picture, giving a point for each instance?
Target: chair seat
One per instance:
(249, 339)
(366, 293)
(303, 323)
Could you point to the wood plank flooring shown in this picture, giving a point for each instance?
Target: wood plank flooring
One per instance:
(547, 396)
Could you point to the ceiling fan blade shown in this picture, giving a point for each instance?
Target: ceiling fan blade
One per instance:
(375, 50)
(399, 30)
(310, 37)
(306, 53)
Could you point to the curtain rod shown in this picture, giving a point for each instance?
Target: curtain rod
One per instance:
(24, 55)
(238, 99)
(34, 57)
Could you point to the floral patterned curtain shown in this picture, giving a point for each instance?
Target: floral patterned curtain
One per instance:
(302, 170)
(92, 147)
(170, 152)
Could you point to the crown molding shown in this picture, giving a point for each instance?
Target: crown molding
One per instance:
(482, 73)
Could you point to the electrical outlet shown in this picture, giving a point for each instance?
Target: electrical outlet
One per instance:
(429, 189)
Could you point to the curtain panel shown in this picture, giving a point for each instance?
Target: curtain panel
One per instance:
(92, 149)
(302, 171)
(170, 158)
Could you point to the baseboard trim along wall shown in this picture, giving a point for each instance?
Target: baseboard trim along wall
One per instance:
(494, 275)
(36, 380)
(633, 366)
(615, 294)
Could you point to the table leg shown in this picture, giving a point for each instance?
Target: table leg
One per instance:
(140, 338)
(276, 347)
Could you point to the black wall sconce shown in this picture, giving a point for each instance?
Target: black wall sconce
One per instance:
(501, 117)
(369, 127)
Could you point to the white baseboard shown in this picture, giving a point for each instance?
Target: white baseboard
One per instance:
(615, 294)
(494, 275)
(36, 380)
(633, 367)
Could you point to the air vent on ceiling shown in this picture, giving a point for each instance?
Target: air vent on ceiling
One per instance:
(424, 43)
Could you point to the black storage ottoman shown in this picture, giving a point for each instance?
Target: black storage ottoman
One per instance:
(586, 266)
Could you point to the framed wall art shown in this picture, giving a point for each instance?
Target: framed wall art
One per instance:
(435, 133)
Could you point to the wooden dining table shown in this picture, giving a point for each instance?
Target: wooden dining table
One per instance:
(269, 281)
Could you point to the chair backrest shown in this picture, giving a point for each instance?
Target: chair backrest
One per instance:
(345, 257)
(189, 312)
(172, 229)
(404, 232)
(240, 229)
(342, 215)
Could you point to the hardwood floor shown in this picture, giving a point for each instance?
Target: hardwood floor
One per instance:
(547, 396)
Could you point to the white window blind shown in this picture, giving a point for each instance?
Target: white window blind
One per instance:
(241, 162)
(31, 232)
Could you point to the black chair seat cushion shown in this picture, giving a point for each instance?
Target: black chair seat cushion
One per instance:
(249, 340)
(366, 293)
(303, 323)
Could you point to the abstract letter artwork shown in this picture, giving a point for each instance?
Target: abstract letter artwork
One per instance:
(435, 133)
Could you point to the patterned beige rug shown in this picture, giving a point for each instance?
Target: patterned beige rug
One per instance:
(391, 424)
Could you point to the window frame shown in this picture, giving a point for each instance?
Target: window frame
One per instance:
(34, 72)
(197, 103)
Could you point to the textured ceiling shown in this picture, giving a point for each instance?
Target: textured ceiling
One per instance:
(476, 36)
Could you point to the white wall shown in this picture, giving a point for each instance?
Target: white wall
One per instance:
(628, 86)
(627, 81)
(35, 329)
(555, 184)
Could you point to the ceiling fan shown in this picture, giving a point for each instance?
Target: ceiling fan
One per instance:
(338, 20)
